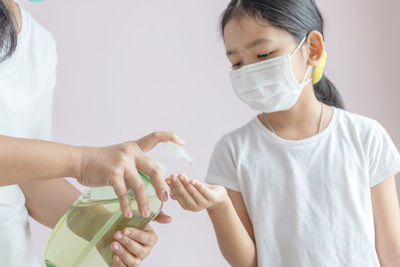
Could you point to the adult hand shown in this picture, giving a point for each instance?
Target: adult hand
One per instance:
(132, 246)
(118, 167)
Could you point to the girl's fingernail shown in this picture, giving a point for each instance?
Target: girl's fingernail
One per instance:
(117, 258)
(116, 247)
(127, 232)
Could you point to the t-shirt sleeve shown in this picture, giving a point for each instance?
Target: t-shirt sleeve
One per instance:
(222, 167)
(384, 158)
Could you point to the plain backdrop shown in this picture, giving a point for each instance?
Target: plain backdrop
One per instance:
(129, 67)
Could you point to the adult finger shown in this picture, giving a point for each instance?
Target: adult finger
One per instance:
(123, 196)
(147, 239)
(151, 169)
(136, 184)
(163, 218)
(150, 141)
(127, 258)
(118, 262)
(134, 248)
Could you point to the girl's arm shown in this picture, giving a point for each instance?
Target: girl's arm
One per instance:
(387, 222)
(227, 212)
(234, 231)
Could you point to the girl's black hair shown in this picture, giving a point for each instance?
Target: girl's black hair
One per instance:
(8, 32)
(298, 17)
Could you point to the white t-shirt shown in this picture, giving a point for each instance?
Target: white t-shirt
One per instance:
(309, 200)
(27, 80)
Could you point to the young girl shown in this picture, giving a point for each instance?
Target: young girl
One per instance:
(305, 183)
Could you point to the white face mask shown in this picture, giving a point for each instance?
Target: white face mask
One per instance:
(269, 85)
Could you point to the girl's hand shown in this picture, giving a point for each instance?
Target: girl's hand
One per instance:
(195, 196)
(132, 246)
(118, 166)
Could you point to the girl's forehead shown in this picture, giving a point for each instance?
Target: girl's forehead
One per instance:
(246, 25)
(243, 30)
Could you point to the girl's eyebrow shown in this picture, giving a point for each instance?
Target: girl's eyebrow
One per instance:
(258, 42)
(250, 45)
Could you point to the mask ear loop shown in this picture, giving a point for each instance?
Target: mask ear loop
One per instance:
(304, 82)
(305, 76)
(299, 46)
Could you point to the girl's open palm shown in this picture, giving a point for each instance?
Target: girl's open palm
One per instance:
(195, 196)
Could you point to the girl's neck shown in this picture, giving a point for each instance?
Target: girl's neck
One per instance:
(301, 121)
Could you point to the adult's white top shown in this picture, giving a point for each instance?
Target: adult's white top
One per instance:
(27, 80)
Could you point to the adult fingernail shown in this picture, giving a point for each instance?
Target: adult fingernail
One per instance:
(146, 213)
(117, 259)
(116, 247)
(118, 236)
(165, 196)
(127, 232)
(180, 140)
(129, 213)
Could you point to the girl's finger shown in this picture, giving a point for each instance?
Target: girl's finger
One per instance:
(180, 193)
(204, 190)
(168, 180)
(118, 262)
(126, 257)
(194, 193)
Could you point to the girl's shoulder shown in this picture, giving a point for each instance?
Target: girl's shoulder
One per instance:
(241, 134)
(351, 121)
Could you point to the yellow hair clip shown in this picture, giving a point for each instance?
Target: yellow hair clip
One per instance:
(319, 69)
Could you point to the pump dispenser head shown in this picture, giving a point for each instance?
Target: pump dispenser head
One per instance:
(172, 151)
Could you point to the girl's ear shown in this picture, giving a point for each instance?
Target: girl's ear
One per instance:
(316, 46)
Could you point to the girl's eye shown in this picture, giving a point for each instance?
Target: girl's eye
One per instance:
(237, 65)
(264, 55)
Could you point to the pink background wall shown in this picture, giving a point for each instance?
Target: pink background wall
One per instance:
(127, 68)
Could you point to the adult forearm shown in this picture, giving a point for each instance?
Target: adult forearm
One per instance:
(234, 241)
(47, 201)
(23, 160)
